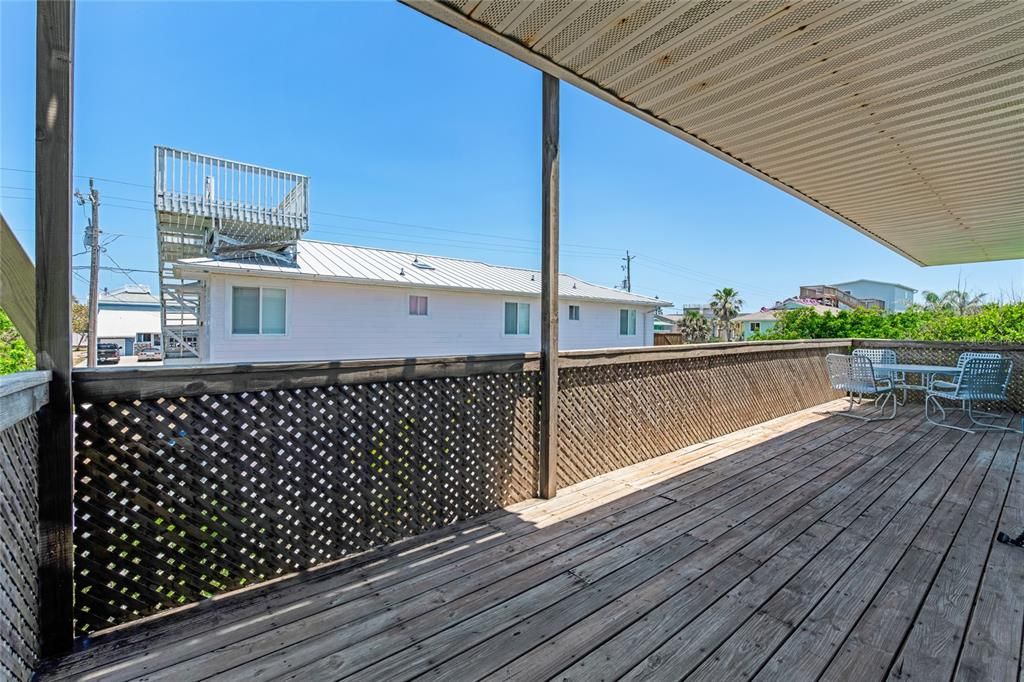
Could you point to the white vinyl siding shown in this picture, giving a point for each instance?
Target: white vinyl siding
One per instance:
(258, 310)
(339, 321)
(627, 322)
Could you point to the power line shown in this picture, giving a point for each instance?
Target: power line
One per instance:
(347, 216)
(119, 269)
(715, 279)
(454, 231)
(94, 177)
(124, 271)
(495, 243)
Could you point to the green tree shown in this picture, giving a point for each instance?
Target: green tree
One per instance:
(991, 323)
(933, 301)
(79, 317)
(15, 355)
(694, 327)
(961, 302)
(726, 304)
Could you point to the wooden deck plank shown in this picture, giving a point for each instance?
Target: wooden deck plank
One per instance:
(279, 609)
(953, 529)
(557, 649)
(475, 545)
(932, 648)
(807, 546)
(811, 647)
(994, 636)
(743, 653)
(616, 656)
(648, 574)
(712, 519)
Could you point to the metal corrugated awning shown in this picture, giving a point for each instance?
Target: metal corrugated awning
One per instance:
(904, 120)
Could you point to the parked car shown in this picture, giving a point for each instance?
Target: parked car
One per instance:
(149, 353)
(108, 353)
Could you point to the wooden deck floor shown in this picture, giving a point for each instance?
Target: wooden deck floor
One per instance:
(809, 547)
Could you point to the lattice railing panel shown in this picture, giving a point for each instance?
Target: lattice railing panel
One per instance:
(19, 553)
(614, 415)
(179, 498)
(946, 354)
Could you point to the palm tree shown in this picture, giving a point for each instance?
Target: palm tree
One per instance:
(933, 302)
(726, 304)
(962, 302)
(694, 327)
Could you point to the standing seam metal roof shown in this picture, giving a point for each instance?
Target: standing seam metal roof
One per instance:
(365, 265)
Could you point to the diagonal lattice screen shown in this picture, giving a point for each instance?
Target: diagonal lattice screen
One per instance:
(181, 498)
(186, 496)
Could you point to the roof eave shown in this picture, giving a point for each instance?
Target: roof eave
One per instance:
(199, 269)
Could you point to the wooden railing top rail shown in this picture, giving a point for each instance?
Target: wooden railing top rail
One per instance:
(615, 356)
(952, 345)
(21, 396)
(153, 382)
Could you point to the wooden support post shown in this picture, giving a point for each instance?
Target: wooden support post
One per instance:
(549, 291)
(54, 52)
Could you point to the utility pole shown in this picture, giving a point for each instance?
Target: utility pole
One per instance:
(627, 283)
(92, 242)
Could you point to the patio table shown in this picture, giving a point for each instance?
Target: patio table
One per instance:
(927, 372)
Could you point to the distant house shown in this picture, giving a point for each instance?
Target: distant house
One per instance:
(664, 323)
(703, 308)
(896, 297)
(336, 301)
(764, 320)
(129, 317)
(755, 323)
(673, 318)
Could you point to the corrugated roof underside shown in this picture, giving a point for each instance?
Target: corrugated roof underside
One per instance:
(905, 119)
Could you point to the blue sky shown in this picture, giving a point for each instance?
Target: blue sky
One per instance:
(415, 137)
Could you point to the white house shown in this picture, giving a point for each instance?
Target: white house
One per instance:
(897, 297)
(129, 317)
(343, 302)
(765, 319)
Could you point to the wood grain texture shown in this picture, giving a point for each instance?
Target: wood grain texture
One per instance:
(19, 535)
(549, 425)
(17, 284)
(797, 547)
(54, 87)
(315, 462)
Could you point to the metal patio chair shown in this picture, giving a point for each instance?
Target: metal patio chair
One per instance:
(886, 356)
(950, 383)
(982, 379)
(855, 375)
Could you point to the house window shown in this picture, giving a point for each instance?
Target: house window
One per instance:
(517, 318)
(755, 326)
(627, 322)
(143, 337)
(417, 305)
(574, 312)
(257, 310)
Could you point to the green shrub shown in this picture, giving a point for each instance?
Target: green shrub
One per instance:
(993, 323)
(15, 355)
